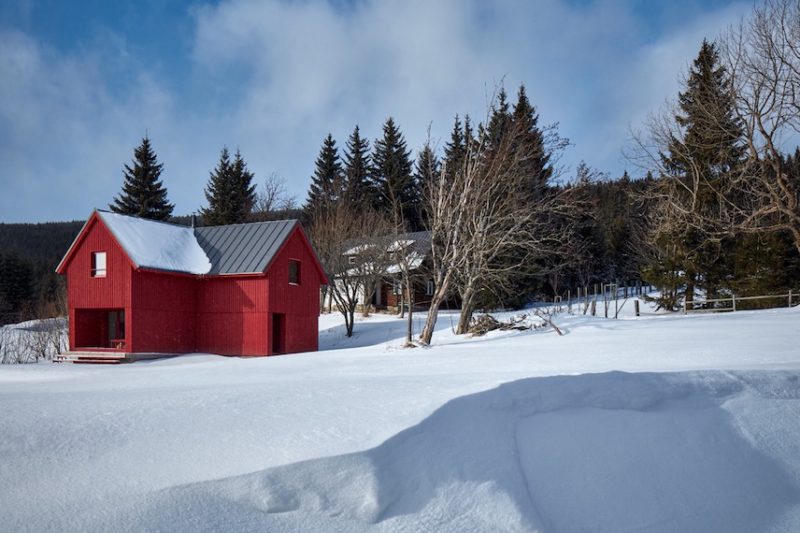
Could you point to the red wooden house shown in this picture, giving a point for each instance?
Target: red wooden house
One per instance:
(139, 288)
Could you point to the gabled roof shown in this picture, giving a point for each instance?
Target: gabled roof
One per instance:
(213, 250)
(243, 248)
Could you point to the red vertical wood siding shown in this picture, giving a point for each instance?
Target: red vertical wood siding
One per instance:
(163, 309)
(232, 315)
(110, 292)
(299, 303)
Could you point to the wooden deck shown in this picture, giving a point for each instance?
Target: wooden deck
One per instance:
(107, 358)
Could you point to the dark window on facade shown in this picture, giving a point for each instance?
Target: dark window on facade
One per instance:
(429, 288)
(294, 272)
(99, 264)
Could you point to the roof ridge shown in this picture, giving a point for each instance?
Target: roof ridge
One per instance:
(250, 223)
(143, 219)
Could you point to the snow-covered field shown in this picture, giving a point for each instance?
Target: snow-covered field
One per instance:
(661, 423)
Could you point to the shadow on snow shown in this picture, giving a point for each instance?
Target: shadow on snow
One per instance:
(607, 452)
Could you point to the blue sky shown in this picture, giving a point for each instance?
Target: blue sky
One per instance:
(82, 82)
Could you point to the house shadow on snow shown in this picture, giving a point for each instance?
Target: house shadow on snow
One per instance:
(602, 452)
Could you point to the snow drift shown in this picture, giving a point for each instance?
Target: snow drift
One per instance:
(607, 452)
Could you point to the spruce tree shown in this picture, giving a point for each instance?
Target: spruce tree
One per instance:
(499, 123)
(399, 194)
(243, 190)
(698, 168)
(514, 144)
(326, 183)
(427, 166)
(357, 165)
(220, 193)
(143, 194)
(455, 149)
(426, 169)
(469, 135)
(535, 159)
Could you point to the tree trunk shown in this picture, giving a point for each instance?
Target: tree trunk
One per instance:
(438, 297)
(689, 296)
(322, 298)
(467, 308)
(409, 329)
(369, 292)
(349, 320)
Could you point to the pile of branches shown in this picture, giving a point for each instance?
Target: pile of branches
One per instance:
(483, 324)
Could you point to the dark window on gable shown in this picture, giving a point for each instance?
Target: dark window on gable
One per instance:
(294, 272)
(99, 264)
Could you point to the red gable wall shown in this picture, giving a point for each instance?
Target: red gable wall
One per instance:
(299, 303)
(87, 292)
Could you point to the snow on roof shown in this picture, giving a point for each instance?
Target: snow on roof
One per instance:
(157, 245)
(361, 248)
(400, 244)
(413, 261)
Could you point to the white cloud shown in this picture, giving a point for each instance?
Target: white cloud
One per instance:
(64, 135)
(274, 77)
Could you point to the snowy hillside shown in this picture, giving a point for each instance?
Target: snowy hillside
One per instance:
(661, 423)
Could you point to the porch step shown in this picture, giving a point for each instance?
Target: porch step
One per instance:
(97, 358)
(95, 361)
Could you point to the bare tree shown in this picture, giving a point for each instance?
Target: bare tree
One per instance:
(5, 341)
(408, 262)
(763, 56)
(273, 199)
(37, 342)
(484, 228)
(372, 259)
(340, 232)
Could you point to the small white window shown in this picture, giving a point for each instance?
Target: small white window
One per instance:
(99, 264)
(351, 259)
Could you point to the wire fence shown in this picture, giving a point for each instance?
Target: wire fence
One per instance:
(608, 300)
(741, 303)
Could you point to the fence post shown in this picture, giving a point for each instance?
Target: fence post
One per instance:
(594, 307)
(684, 307)
(636, 306)
(790, 298)
(733, 299)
